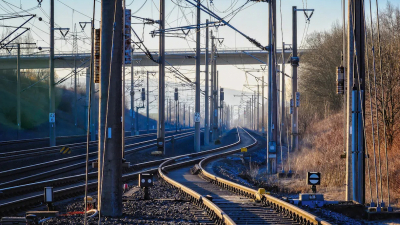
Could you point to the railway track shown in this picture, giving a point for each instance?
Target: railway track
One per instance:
(10, 155)
(35, 172)
(227, 202)
(18, 198)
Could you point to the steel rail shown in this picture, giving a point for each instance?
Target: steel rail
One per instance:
(294, 212)
(55, 148)
(35, 177)
(71, 158)
(27, 202)
(214, 212)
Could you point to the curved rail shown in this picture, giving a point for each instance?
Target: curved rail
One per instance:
(286, 208)
(25, 203)
(214, 212)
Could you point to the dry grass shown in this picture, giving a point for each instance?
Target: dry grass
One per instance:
(322, 145)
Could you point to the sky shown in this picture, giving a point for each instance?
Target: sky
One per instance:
(251, 20)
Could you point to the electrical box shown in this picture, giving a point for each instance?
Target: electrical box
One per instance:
(146, 180)
(340, 80)
(143, 94)
(176, 97)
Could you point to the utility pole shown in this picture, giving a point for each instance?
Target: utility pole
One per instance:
(212, 87)
(197, 100)
(189, 116)
(132, 98)
(206, 99)
(75, 50)
(350, 72)
(262, 106)
(258, 107)
(161, 83)
(356, 9)
(147, 104)
(111, 191)
(107, 18)
(170, 111)
(93, 109)
(184, 115)
(52, 97)
(295, 63)
(19, 91)
(282, 92)
(272, 90)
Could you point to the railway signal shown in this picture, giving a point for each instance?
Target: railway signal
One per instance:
(314, 178)
(48, 197)
(145, 181)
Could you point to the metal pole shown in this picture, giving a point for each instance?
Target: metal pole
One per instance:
(206, 99)
(52, 108)
(184, 115)
(92, 107)
(107, 18)
(212, 87)
(294, 83)
(176, 116)
(197, 101)
(19, 91)
(161, 83)
(359, 83)
(262, 106)
(282, 92)
(273, 83)
(147, 104)
(75, 91)
(132, 99)
(350, 67)
(258, 107)
(111, 193)
(189, 117)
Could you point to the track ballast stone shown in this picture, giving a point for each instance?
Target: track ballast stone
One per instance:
(166, 207)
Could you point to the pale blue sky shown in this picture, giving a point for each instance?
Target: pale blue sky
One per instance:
(252, 20)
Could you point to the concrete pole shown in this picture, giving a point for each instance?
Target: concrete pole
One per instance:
(87, 98)
(132, 99)
(75, 90)
(161, 83)
(215, 132)
(206, 99)
(92, 103)
(212, 87)
(147, 104)
(107, 18)
(19, 91)
(111, 192)
(283, 91)
(197, 100)
(52, 96)
(92, 110)
(170, 112)
(295, 138)
(178, 114)
(262, 106)
(258, 107)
